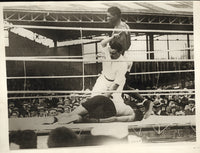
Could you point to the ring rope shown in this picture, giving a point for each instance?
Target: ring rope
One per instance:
(142, 51)
(168, 50)
(60, 96)
(91, 76)
(152, 51)
(64, 57)
(38, 97)
(146, 52)
(97, 29)
(83, 60)
(50, 57)
(87, 92)
(159, 72)
(52, 77)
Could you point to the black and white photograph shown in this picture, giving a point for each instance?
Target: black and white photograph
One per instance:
(99, 73)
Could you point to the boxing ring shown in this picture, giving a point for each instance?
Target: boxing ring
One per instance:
(157, 124)
(151, 130)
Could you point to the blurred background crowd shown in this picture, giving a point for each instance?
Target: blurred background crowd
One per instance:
(51, 106)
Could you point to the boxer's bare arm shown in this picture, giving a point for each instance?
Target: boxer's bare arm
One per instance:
(107, 40)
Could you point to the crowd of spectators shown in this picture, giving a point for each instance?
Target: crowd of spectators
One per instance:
(42, 107)
(175, 105)
(163, 105)
(53, 105)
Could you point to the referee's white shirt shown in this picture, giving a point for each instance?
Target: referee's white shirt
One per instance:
(114, 70)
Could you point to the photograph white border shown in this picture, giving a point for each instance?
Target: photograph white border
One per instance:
(183, 147)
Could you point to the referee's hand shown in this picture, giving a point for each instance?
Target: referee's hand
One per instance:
(116, 36)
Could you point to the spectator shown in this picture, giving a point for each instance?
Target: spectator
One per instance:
(67, 109)
(33, 111)
(176, 98)
(42, 112)
(183, 102)
(60, 101)
(190, 108)
(173, 110)
(41, 101)
(60, 109)
(170, 105)
(54, 102)
(26, 139)
(52, 112)
(67, 101)
(62, 137)
(163, 109)
(14, 114)
(11, 105)
(156, 109)
(24, 111)
(180, 113)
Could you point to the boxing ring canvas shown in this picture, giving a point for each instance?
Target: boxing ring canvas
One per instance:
(147, 131)
(53, 59)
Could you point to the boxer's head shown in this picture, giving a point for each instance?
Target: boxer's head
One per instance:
(115, 50)
(113, 15)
